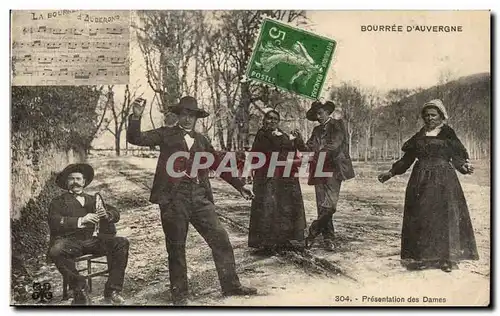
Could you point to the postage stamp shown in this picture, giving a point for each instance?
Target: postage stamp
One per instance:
(290, 58)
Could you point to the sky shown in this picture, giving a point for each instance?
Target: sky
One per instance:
(380, 60)
(387, 60)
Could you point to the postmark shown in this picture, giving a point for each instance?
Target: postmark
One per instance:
(289, 58)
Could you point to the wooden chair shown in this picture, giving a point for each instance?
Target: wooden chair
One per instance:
(89, 259)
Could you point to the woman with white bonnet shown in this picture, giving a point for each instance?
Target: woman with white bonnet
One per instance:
(437, 229)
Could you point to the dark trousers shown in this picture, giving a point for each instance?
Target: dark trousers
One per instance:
(190, 205)
(65, 250)
(327, 196)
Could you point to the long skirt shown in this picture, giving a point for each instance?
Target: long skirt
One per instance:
(277, 213)
(436, 221)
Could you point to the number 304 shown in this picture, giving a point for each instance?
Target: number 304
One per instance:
(342, 298)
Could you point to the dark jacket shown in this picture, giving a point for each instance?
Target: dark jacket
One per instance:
(267, 144)
(171, 140)
(416, 148)
(332, 139)
(64, 212)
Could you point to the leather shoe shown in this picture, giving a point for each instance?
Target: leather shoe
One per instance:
(314, 231)
(446, 266)
(115, 298)
(328, 245)
(242, 290)
(416, 266)
(81, 296)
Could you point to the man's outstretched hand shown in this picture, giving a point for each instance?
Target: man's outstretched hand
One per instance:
(247, 193)
(138, 108)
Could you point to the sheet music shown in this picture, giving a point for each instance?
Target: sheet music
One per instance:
(70, 47)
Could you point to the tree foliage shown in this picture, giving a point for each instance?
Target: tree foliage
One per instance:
(169, 41)
(64, 116)
(466, 99)
(205, 54)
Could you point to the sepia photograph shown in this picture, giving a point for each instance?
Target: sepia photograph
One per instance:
(242, 158)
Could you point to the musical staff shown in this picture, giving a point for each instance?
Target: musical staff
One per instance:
(78, 74)
(68, 45)
(66, 59)
(75, 31)
(71, 51)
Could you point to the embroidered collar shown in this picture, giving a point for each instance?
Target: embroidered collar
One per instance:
(435, 131)
(276, 132)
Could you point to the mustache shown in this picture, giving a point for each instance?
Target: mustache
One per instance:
(75, 185)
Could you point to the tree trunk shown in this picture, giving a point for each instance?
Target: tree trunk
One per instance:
(230, 135)
(170, 80)
(126, 143)
(117, 144)
(151, 112)
(476, 150)
(219, 133)
(399, 139)
(386, 150)
(242, 116)
(219, 129)
(367, 143)
(350, 143)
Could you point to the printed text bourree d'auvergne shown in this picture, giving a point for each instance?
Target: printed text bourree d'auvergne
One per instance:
(398, 28)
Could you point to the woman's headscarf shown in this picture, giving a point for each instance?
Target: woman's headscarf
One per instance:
(269, 110)
(438, 104)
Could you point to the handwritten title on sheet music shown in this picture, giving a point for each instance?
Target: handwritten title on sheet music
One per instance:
(84, 17)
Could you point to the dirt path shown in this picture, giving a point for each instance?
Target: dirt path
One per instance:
(366, 263)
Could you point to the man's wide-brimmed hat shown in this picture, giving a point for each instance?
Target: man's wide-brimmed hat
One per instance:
(316, 105)
(190, 104)
(83, 168)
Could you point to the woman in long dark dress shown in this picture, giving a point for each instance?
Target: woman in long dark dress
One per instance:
(436, 222)
(277, 219)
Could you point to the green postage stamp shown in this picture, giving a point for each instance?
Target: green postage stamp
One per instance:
(292, 59)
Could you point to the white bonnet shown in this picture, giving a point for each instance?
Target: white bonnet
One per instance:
(437, 104)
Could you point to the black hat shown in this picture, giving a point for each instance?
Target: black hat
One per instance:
(83, 168)
(189, 103)
(311, 113)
